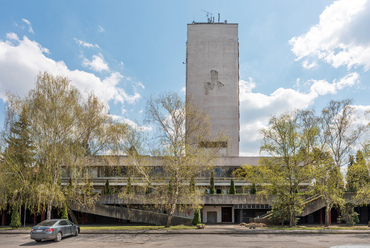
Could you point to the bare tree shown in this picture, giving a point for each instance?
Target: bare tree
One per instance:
(180, 127)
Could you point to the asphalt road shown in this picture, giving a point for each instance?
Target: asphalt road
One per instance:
(190, 240)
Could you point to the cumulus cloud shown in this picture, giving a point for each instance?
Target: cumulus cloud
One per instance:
(341, 37)
(85, 44)
(22, 59)
(97, 63)
(256, 108)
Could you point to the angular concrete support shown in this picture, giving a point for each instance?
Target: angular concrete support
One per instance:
(134, 215)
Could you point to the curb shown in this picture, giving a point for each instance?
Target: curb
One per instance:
(203, 232)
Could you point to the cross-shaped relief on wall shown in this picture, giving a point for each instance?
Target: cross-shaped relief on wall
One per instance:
(214, 82)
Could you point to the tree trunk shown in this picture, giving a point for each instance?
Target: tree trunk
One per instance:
(49, 211)
(20, 213)
(291, 222)
(292, 216)
(327, 213)
(170, 215)
(73, 217)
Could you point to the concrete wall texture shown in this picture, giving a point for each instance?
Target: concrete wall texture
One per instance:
(212, 77)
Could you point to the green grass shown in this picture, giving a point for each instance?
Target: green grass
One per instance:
(333, 227)
(120, 228)
(9, 228)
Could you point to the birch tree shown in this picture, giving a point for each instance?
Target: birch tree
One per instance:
(67, 130)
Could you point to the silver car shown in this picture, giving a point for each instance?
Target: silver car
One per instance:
(54, 229)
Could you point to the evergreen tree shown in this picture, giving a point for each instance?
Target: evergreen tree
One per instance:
(107, 188)
(192, 184)
(64, 212)
(212, 184)
(196, 219)
(15, 222)
(253, 189)
(128, 186)
(232, 190)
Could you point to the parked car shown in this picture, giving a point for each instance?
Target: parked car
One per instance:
(54, 229)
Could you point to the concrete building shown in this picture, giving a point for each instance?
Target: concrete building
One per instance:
(212, 79)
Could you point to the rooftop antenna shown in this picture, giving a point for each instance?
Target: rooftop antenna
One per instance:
(210, 18)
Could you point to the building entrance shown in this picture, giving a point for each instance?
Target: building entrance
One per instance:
(211, 217)
(227, 214)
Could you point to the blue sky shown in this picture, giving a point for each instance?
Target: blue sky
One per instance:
(293, 54)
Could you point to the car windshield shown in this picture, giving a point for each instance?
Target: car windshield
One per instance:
(47, 223)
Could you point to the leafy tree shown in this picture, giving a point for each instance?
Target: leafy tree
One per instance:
(64, 139)
(18, 159)
(232, 190)
(348, 214)
(289, 141)
(180, 129)
(339, 134)
(357, 173)
(281, 210)
(15, 222)
(328, 182)
(212, 184)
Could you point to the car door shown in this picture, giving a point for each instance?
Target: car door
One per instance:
(70, 227)
(64, 227)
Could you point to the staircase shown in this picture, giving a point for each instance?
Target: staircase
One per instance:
(311, 205)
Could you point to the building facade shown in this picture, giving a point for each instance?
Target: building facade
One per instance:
(212, 79)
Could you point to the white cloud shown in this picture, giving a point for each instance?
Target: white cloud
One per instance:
(341, 37)
(141, 85)
(256, 108)
(22, 60)
(97, 63)
(100, 29)
(145, 128)
(85, 44)
(29, 25)
(308, 65)
(12, 36)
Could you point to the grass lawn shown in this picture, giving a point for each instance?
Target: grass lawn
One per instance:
(320, 227)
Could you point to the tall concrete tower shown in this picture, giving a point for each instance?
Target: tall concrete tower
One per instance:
(212, 78)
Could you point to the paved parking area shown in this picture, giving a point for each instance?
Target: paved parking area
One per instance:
(192, 240)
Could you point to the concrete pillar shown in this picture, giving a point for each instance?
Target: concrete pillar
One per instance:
(338, 215)
(34, 219)
(83, 219)
(42, 216)
(3, 218)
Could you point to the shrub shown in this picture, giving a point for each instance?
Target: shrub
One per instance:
(196, 219)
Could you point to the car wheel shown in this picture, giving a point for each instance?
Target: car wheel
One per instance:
(58, 237)
(38, 240)
(76, 232)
